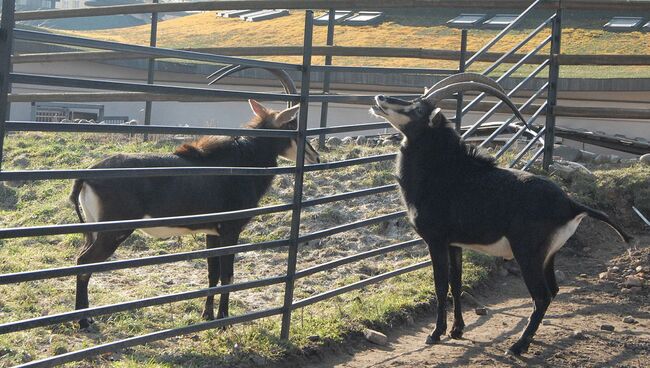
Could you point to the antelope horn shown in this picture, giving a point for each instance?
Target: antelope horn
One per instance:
(465, 77)
(438, 95)
(283, 76)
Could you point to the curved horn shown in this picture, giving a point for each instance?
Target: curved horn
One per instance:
(438, 95)
(287, 83)
(465, 77)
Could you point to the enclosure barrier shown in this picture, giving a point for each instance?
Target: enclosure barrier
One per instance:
(147, 91)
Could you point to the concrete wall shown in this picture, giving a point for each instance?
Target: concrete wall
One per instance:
(233, 114)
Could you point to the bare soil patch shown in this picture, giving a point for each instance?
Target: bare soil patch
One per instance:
(571, 335)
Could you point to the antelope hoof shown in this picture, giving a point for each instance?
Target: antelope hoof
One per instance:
(518, 348)
(456, 333)
(207, 315)
(85, 323)
(434, 337)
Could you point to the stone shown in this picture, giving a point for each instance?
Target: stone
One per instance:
(334, 142)
(601, 159)
(645, 159)
(639, 269)
(481, 311)
(410, 321)
(583, 275)
(636, 290)
(568, 169)
(348, 140)
(469, 298)
(503, 272)
(560, 276)
(587, 156)
(604, 276)
(615, 269)
(313, 338)
(21, 161)
(567, 153)
(629, 319)
(632, 281)
(361, 140)
(375, 337)
(605, 327)
(579, 335)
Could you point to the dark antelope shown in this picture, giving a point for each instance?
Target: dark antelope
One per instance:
(138, 198)
(456, 199)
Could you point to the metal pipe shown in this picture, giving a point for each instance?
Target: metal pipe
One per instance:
(151, 67)
(146, 50)
(135, 304)
(378, 69)
(349, 195)
(528, 146)
(326, 78)
(494, 109)
(143, 87)
(509, 72)
(532, 160)
(351, 162)
(521, 131)
(36, 126)
(519, 45)
(351, 226)
(461, 69)
(553, 77)
(503, 32)
(50, 273)
(525, 105)
(140, 172)
(151, 337)
(358, 285)
(299, 176)
(348, 128)
(6, 41)
(356, 257)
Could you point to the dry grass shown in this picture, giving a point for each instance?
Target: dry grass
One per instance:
(208, 30)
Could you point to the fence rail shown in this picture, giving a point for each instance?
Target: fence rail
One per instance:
(345, 51)
(150, 91)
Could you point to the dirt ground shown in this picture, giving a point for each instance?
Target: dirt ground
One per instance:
(571, 335)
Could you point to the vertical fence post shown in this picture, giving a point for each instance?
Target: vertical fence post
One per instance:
(461, 69)
(6, 40)
(326, 77)
(152, 63)
(298, 178)
(553, 76)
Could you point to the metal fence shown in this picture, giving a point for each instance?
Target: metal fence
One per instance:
(291, 244)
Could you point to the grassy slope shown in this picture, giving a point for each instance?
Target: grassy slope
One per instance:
(408, 29)
(45, 202)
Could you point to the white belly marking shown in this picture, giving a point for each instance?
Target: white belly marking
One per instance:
(89, 203)
(561, 235)
(501, 248)
(167, 232)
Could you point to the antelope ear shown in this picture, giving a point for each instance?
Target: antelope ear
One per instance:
(433, 117)
(258, 109)
(286, 115)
